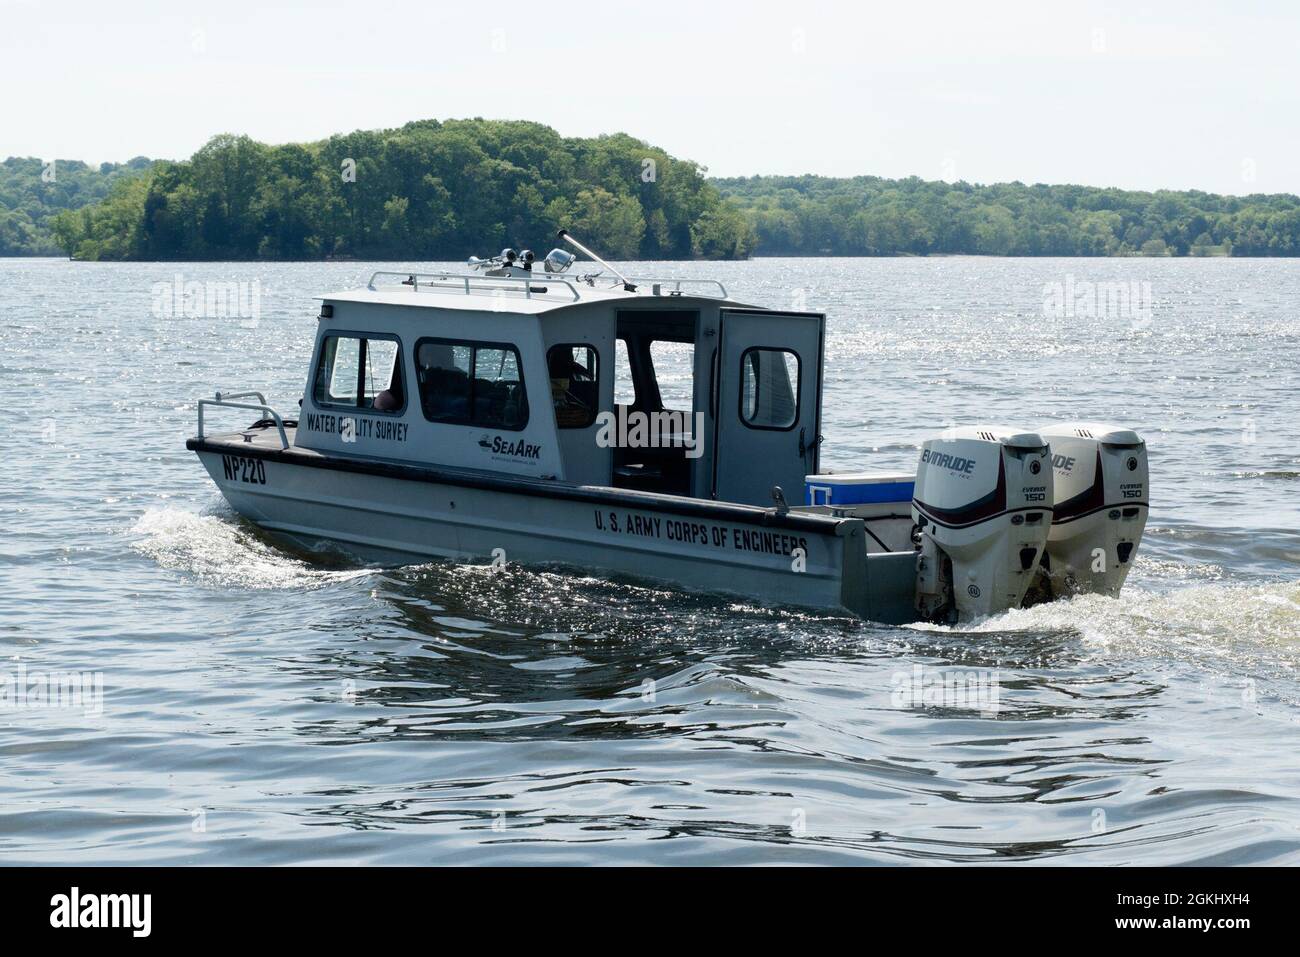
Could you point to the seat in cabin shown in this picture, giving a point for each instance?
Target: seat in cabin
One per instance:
(497, 402)
(639, 477)
(574, 392)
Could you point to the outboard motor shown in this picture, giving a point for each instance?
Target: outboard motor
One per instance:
(982, 509)
(1099, 511)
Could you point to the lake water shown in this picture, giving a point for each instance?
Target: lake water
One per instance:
(262, 707)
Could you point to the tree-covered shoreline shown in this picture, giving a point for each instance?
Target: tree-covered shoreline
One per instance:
(429, 190)
(870, 216)
(443, 190)
(34, 192)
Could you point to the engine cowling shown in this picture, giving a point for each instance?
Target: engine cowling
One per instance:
(1099, 510)
(982, 509)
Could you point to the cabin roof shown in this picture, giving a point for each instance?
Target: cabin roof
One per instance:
(536, 296)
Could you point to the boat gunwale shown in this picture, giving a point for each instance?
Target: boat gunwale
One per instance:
(525, 485)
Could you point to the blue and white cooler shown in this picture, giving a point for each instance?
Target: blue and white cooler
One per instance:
(859, 488)
(883, 500)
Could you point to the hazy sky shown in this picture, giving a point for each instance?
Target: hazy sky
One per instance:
(1180, 95)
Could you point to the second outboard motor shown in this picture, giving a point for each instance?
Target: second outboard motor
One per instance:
(982, 510)
(1099, 510)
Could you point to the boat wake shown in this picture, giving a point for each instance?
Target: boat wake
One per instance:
(1241, 634)
(1178, 613)
(223, 551)
(1208, 616)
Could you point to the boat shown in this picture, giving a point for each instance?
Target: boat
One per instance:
(524, 412)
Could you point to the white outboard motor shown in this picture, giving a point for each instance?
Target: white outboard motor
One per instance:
(1099, 509)
(982, 509)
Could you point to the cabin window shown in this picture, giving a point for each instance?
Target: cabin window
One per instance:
(574, 385)
(360, 372)
(471, 383)
(769, 393)
(674, 372)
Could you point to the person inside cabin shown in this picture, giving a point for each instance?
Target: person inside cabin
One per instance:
(572, 389)
(444, 383)
(392, 398)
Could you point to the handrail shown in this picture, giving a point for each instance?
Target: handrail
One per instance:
(678, 283)
(467, 284)
(470, 283)
(259, 406)
(254, 393)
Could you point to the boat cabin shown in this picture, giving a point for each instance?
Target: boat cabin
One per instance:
(666, 386)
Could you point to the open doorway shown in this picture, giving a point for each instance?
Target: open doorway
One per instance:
(655, 395)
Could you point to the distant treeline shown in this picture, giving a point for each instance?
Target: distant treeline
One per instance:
(869, 216)
(429, 190)
(33, 192)
(445, 190)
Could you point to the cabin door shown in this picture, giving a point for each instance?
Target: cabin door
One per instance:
(766, 404)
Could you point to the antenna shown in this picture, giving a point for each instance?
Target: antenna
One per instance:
(564, 235)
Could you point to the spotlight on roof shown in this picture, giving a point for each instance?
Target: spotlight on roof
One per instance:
(558, 260)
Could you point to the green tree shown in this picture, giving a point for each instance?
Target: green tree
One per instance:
(614, 224)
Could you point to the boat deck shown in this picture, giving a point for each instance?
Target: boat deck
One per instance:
(262, 435)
